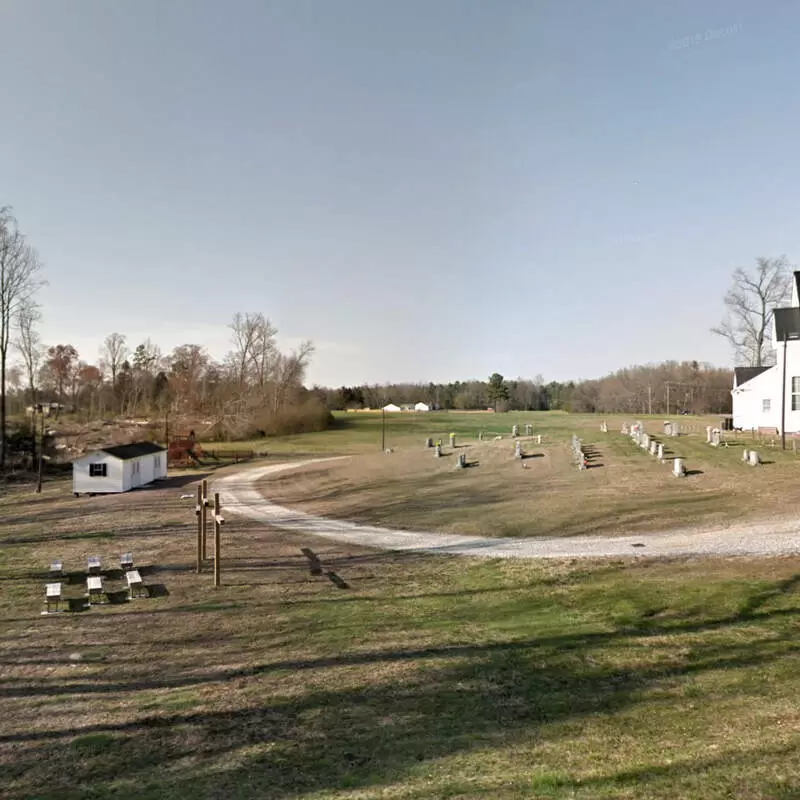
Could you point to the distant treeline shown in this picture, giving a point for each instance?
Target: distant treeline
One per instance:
(668, 388)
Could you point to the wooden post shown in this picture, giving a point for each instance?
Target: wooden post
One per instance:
(198, 511)
(204, 513)
(218, 520)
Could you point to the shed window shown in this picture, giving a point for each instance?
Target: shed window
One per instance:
(98, 470)
(766, 405)
(795, 394)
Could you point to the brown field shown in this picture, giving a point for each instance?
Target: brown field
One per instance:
(625, 490)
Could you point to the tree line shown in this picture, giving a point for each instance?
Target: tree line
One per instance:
(668, 388)
(256, 389)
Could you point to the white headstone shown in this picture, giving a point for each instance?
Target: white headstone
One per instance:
(518, 450)
(660, 452)
(754, 460)
(678, 469)
(653, 447)
(437, 451)
(708, 434)
(745, 455)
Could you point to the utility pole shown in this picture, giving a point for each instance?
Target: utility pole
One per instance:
(41, 452)
(783, 396)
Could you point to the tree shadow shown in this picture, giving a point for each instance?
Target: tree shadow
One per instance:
(357, 736)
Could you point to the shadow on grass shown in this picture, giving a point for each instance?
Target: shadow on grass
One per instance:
(330, 739)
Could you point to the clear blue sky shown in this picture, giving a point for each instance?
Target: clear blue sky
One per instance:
(430, 189)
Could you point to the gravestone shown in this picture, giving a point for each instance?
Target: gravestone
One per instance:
(660, 452)
(653, 447)
(518, 450)
(644, 442)
(745, 455)
(480, 436)
(604, 427)
(678, 468)
(437, 452)
(715, 437)
(461, 462)
(452, 440)
(429, 442)
(709, 429)
(753, 459)
(539, 438)
(515, 431)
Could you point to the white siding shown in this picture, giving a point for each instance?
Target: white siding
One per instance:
(160, 465)
(748, 399)
(127, 476)
(83, 483)
(142, 471)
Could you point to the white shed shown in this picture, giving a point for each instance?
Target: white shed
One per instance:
(392, 407)
(422, 407)
(119, 469)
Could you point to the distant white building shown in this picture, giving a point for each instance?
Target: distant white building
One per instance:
(757, 391)
(422, 407)
(392, 407)
(119, 469)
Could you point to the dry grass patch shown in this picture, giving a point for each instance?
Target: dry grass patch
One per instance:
(625, 490)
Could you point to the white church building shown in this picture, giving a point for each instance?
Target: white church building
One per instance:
(757, 391)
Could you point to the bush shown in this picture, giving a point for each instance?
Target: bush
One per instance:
(305, 417)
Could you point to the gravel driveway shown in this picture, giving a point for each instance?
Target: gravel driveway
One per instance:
(239, 495)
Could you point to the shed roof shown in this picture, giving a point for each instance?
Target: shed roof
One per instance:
(128, 451)
(744, 374)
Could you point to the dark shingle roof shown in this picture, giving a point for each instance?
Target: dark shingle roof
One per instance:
(787, 323)
(744, 374)
(126, 451)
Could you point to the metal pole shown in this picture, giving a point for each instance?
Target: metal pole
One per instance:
(783, 397)
(217, 528)
(197, 511)
(204, 517)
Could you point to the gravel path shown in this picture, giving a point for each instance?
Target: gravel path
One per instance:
(240, 496)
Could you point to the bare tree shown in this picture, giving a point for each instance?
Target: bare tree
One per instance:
(246, 329)
(29, 344)
(19, 280)
(750, 302)
(114, 352)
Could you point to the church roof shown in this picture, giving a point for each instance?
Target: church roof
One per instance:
(744, 374)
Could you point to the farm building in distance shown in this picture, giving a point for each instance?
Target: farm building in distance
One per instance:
(119, 469)
(757, 391)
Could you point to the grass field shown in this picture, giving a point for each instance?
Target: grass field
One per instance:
(625, 490)
(426, 677)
